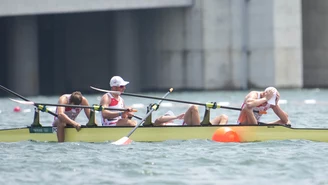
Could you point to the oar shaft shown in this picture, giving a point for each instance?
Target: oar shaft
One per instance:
(42, 106)
(98, 108)
(181, 101)
(146, 96)
(14, 93)
(23, 98)
(166, 99)
(232, 108)
(212, 105)
(152, 110)
(138, 117)
(52, 113)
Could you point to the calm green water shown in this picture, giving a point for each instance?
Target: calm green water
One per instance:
(171, 162)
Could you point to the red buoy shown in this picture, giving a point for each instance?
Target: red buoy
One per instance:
(17, 109)
(225, 134)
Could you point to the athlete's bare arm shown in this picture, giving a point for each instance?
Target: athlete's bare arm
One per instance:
(252, 100)
(164, 119)
(105, 102)
(86, 110)
(61, 113)
(283, 116)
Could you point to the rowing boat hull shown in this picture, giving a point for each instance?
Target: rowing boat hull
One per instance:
(154, 134)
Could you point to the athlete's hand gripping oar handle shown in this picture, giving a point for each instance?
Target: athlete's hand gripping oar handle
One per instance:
(126, 140)
(42, 106)
(212, 105)
(23, 98)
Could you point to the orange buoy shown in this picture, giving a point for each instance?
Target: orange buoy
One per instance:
(225, 134)
(17, 109)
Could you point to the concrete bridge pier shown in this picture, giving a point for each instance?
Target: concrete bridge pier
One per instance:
(22, 48)
(127, 48)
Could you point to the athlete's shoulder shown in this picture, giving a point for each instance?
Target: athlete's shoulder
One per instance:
(252, 95)
(63, 98)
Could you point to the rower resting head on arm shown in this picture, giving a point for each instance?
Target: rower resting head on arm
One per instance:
(262, 101)
(67, 115)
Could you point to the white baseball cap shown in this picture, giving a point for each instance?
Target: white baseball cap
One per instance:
(272, 100)
(117, 81)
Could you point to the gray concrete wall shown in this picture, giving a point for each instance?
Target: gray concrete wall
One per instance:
(172, 45)
(275, 43)
(216, 44)
(315, 43)
(194, 53)
(288, 43)
(87, 51)
(22, 55)
(261, 43)
(230, 44)
(192, 49)
(127, 44)
(77, 51)
(3, 53)
(162, 42)
(33, 7)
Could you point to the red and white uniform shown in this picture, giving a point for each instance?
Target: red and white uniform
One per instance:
(114, 103)
(263, 107)
(72, 113)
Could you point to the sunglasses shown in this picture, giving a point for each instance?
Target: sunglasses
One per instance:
(122, 86)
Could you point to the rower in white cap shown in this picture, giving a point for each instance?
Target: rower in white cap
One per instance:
(114, 100)
(262, 101)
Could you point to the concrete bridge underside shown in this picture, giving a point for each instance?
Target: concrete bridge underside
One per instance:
(61, 46)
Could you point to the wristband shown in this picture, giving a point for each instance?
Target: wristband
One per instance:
(120, 114)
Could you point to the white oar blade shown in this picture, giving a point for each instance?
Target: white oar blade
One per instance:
(22, 102)
(123, 141)
(103, 90)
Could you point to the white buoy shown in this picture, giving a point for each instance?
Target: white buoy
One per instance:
(224, 103)
(283, 101)
(27, 110)
(138, 105)
(311, 101)
(166, 104)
